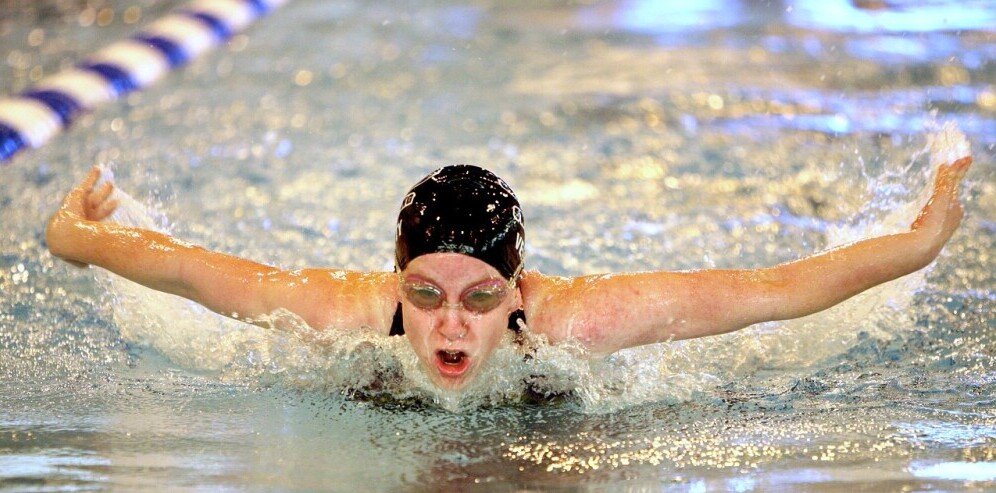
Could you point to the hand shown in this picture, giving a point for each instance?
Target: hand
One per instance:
(942, 214)
(86, 202)
(97, 201)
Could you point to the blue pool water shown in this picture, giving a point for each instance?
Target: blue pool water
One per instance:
(638, 136)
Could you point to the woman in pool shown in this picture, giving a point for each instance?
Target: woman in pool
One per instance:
(459, 282)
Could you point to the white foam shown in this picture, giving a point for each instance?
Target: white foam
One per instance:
(354, 359)
(947, 145)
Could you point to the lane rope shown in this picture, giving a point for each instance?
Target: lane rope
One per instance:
(33, 117)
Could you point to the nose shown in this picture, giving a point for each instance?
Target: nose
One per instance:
(450, 322)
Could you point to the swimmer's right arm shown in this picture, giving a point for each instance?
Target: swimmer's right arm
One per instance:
(229, 285)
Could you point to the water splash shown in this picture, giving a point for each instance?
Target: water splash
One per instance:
(362, 363)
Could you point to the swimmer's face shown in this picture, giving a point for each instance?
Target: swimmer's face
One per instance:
(454, 341)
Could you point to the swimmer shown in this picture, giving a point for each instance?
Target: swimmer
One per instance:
(460, 282)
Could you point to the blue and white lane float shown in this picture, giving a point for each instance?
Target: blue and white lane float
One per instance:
(31, 118)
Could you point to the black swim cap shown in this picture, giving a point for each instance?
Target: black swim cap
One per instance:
(462, 209)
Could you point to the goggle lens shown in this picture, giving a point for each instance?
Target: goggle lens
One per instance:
(477, 300)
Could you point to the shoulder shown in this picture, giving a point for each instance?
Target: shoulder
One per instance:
(537, 289)
(343, 299)
(536, 282)
(551, 304)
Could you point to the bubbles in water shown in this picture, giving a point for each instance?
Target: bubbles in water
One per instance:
(360, 362)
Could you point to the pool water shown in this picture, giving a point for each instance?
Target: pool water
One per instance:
(638, 136)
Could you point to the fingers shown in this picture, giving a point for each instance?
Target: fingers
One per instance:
(943, 212)
(99, 203)
(103, 210)
(957, 173)
(100, 195)
(96, 200)
(87, 201)
(949, 177)
(957, 169)
(960, 167)
(91, 179)
(85, 188)
(76, 199)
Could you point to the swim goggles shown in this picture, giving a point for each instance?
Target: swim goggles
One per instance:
(479, 299)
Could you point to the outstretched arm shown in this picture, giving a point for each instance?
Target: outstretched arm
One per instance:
(226, 284)
(613, 312)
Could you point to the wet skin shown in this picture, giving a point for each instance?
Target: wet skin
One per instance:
(605, 313)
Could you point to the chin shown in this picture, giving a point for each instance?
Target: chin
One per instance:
(449, 382)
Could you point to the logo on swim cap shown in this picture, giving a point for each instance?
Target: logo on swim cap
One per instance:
(462, 209)
(408, 200)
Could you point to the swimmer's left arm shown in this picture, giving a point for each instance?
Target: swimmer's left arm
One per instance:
(613, 312)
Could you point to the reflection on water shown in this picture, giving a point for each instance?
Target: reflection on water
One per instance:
(957, 471)
(649, 16)
(901, 16)
(640, 136)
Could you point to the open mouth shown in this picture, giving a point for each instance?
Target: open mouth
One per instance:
(452, 363)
